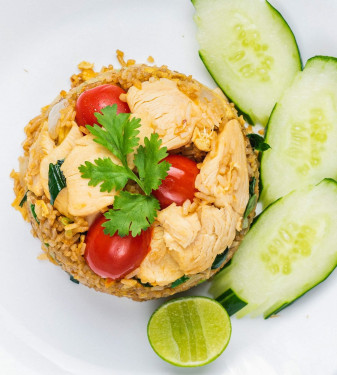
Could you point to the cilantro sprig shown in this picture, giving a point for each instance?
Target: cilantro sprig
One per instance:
(118, 133)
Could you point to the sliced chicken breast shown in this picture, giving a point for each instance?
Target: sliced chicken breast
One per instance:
(84, 199)
(224, 172)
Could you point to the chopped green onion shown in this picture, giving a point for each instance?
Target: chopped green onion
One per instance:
(56, 180)
(32, 208)
(46, 244)
(65, 220)
(24, 199)
(179, 281)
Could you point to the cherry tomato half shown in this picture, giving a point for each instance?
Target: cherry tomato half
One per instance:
(93, 100)
(179, 185)
(115, 256)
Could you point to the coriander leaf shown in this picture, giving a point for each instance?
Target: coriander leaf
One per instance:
(56, 180)
(258, 142)
(119, 133)
(130, 213)
(111, 175)
(147, 160)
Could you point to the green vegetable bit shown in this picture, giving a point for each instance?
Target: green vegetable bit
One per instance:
(251, 202)
(258, 142)
(252, 184)
(219, 259)
(24, 199)
(56, 180)
(32, 208)
(250, 207)
(72, 278)
(131, 212)
(179, 281)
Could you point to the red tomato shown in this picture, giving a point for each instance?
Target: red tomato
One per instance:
(93, 100)
(179, 185)
(115, 256)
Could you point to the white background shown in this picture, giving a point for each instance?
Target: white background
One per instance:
(49, 325)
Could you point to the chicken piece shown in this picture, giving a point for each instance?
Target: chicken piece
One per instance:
(85, 200)
(224, 172)
(58, 153)
(42, 146)
(62, 202)
(164, 109)
(213, 230)
(178, 227)
(158, 267)
(213, 110)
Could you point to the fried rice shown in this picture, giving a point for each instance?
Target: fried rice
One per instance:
(63, 238)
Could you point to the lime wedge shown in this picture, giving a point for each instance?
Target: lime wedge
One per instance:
(189, 331)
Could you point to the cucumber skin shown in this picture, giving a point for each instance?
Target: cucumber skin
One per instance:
(245, 115)
(231, 302)
(267, 128)
(286, 304)
(282, 306)
(262, 153)
(300, 61)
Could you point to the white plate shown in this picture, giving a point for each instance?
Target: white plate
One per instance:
(49, 325)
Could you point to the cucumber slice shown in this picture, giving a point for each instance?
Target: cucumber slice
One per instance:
(249, 50)
(302, 132)
(291, 248)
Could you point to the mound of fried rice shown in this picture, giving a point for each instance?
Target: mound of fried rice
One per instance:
(63, 241)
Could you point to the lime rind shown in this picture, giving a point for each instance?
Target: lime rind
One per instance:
(189, 331)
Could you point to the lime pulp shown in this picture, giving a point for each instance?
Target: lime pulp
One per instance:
(189, 331)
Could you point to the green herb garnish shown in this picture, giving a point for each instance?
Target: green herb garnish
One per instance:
(147, 285)
(24, 199)
(252, 184)
(179, 281)
(258, 142)
(56, 180)
(219, 259)
(72, 278)
(250, 207)
(32, 208)
(131, 212)
(251, 202)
